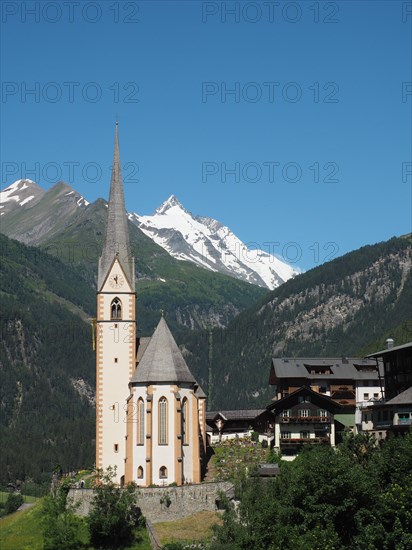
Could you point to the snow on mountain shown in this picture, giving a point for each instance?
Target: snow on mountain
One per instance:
(19, 193)
(30, 214)
(211, 245)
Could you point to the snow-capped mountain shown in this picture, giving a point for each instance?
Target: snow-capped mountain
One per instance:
(18, 194)
(211, 245)
(31, 215)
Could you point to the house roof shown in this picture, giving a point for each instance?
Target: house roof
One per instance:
(404, 398)
(242, 414)
(341, 368)
(162, 360)
(390, 350)
(322, 400)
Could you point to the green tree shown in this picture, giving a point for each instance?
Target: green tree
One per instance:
(114, 514)
(13, 502)
(62, 529)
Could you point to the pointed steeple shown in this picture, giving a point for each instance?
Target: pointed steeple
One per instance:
(116, 242)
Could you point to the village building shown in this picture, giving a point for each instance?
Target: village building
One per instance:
(150, 411)
(351, 382)
(302, 417)
(396, 364)
(235, 424)
(394, 413)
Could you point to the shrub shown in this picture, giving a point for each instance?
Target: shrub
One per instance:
(14, 501)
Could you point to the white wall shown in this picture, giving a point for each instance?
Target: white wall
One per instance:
(114, 342)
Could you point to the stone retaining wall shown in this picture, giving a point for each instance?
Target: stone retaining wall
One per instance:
(177, 502)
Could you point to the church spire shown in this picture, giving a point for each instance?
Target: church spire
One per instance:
(116, 239)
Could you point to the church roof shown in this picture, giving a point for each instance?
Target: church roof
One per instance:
(116, 238)
(162, 360)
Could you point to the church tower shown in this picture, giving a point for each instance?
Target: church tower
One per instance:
(115, 329)
(150, 411)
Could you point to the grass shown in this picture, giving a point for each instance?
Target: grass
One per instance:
(22, 530)
(26, 498)
(194, 528)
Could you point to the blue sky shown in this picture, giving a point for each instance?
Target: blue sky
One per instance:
(312, 147)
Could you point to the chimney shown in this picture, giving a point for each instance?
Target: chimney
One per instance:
(389, 343)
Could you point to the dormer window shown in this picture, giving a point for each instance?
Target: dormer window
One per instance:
(116, 309)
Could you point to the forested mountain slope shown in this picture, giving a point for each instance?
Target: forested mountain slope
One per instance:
(335, 309)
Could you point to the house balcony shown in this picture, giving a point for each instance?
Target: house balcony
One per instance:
(302, 440)
(404, 422)
(305, 419)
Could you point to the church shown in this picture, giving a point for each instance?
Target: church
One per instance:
(150, 411)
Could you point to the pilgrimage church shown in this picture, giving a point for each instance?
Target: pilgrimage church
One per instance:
(150, 411)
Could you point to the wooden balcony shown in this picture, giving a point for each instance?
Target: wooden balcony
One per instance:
(302, 440)
(304, 419)
(343, 393)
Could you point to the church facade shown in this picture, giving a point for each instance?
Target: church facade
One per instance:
(150, 411)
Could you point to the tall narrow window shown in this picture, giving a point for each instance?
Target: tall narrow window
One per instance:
(185, 422)
(163, 421)
(140, 472)
(116, 309)
(140, 422)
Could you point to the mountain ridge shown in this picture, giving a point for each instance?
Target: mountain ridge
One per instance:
(201, 240)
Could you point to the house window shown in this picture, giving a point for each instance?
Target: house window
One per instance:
(115, 359)
(376, 395)
(116, 309)
(140, 422)
(285, 435)
(163, 421)
(139, 472)
(116, 448)
(185, 423)
(304, 399)
(366, 396)
(303, 412)
(305, 435)
(286, 413)
(163, 472)
(323, 413)
(322, 389)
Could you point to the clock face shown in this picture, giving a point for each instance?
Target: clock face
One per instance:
(116, 281)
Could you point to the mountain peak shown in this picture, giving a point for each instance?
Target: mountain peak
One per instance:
(211, 245)
(169, 203)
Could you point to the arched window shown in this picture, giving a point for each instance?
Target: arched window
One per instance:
(163, 421)
(139, 472)
(163, 472)
(140, 422)
(116, 309)
(185, 421)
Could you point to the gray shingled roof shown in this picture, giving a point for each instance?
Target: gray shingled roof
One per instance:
(200, 393)
(116, 238)
(143, 343)
(404, 398)
(241, 414)
(390, 350)
(162, 360)
(340, 368)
